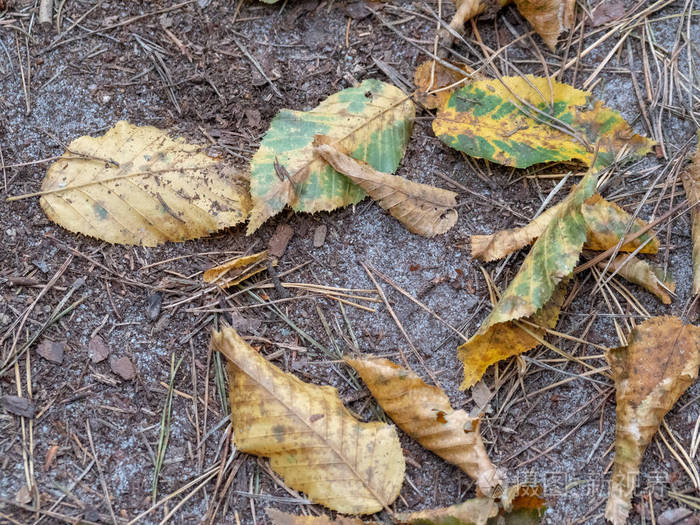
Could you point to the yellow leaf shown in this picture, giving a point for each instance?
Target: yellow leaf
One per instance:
(284, 518)
(423, 209)
(313, 442)
(548, 17)
(236, 271)
(643, 274)
(136, 185)
(498, 341)
(606, 224)
(658, 364)
(444, 81)
(424, 413)
(691, 183)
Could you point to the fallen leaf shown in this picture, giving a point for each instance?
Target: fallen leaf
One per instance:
(548, 17)
(691, 183)
(136, 185)
(277, 517)
(509, 121)
(535, 293)
(444, 82)
(97, 349)
(644, 274)
(280, 239)
(51, 351)
(651, 373)
(236, 271)
(422, 209)
(373, 121)
(424, 413)
(123, 367)
(520, 505)
(313, 442)
(19, 406)
(606, 224)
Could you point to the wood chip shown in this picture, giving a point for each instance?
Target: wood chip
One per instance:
(320, 235)
(153, 303)
(123, 367)
(97, 349)
(51, 351)
(280, 239)
(19, 406)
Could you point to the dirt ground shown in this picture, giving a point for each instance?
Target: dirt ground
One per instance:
(178, 66)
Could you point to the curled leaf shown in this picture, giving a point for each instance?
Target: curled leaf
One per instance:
(313, 442)
(424, 413)
(423, 209)
(658, 364)
(277, 517)
(521, 121)
(549, 18)
(237, 270)
(435, 82)
(372, 121)
(691, 183)
(643, 274)
(549, 263)
(136, 185)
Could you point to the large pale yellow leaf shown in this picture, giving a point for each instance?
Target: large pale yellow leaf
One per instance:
(312, 441)
(643, 274)
(606, 224)
(423, 209)
(691, 183)
(137, 185)
(424, 413)
(658, 364)
(237, 270)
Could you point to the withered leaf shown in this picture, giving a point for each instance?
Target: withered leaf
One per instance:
(339, 462)
(651, 373)
(423, 209)
(691, 183)
(643, 274)
(424, 413)
(435, 82)
(237, 270)
(284, 518)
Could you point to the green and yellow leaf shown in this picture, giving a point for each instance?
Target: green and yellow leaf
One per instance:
(313, 442)
(644, 274)
(137, 185)
(521, 121)
(550, 262)
(237, 270)
(424, 413)
(691, 183)
(422, 209)
(372, 122)
(651, 373)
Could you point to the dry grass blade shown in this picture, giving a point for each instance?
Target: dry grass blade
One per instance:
(691, 183)
(424, 413)
(237, 270)
(423, 209)
(312, 441)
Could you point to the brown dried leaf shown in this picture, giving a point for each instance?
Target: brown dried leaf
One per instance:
(424, 413)
(313, 442)
(423, 209)
(658, 364)
(643, 274)
(548, 17)
(236, 271)
(691, 183)
(444, 82)
(277, 517)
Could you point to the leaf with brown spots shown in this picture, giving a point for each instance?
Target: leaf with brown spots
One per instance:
(137, 185)
(339, 462)
(422, 209)
(424, 413)
(519, 505)
(644, 274)
(651, 373)
(691, 183)
(237, 270)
